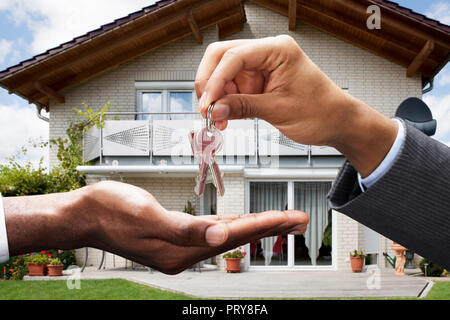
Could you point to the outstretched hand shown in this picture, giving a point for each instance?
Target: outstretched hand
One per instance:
(128, 221)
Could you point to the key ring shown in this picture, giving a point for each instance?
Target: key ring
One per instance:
(209, 122)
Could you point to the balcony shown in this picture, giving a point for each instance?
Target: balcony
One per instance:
(135, 143)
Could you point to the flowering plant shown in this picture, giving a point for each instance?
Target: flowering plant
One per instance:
(236, 254)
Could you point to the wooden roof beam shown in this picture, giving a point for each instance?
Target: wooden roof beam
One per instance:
(420, 59)
(49, 92)
(302, 15)
(114, 43)
(194, 28)
(292, 15)
(146, 47)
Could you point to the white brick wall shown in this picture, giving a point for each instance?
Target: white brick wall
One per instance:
(379, 82)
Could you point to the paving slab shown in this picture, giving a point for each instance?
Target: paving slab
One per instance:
(298, 284)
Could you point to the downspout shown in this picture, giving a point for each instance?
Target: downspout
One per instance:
(424, 91)
(40, 116)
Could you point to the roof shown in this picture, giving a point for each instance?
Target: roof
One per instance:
(406, 38)
(412, 14)
(88, 36)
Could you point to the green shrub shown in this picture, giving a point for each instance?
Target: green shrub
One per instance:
(37, 259)
(55, 262)
(189, 209)
(358, 254)
(14, 269)
(236, 254)
(433, 270)
(67, 257)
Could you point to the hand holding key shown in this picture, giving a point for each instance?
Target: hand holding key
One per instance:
(205, 144)
(274, 80)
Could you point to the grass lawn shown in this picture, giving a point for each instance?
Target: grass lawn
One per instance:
(116, 289)
(125, 290)
(440, 291)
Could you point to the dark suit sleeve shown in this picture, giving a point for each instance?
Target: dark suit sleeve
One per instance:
(410, 204)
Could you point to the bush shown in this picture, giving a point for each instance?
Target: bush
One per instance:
(358, 254)
(14, 269)
(67, 257)
(237, 254)
(37, 259)
(55, 262)
(433, 270)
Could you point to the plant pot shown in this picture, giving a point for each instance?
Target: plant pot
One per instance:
(55, 270)
(357, 264)
(233, 265)
(36, 270)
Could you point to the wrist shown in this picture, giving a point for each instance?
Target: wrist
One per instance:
(364, 136)
(53, 221)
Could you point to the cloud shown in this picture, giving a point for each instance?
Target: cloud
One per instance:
(53, 22)
(444, 79)
(440, 106)
(48, 23)
(440, 11)
(5, 49)
(18, 125)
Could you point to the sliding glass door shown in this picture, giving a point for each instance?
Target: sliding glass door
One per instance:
(266, 196)
(314, 247)
(311, 249)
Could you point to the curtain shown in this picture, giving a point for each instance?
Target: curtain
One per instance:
(311, 197)
(265, 196)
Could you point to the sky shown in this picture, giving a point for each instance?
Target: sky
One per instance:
(30, 27)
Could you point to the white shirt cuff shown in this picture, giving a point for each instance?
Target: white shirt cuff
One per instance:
(4, 250)
(388, 161)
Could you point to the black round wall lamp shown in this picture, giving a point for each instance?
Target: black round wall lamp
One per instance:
(416, 112)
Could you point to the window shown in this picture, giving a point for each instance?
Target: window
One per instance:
(165, 98)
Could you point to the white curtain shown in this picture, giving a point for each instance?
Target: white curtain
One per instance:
(311, 197)
(265, 196)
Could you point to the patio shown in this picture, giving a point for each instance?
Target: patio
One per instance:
(217, 284)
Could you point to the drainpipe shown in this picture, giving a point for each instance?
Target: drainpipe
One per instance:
(40, 116)
(430, 87)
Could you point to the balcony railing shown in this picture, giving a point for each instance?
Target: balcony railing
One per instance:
(164, 138)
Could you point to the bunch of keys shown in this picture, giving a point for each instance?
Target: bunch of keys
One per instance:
(205, 144)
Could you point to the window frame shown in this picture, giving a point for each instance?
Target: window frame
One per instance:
(165, 89)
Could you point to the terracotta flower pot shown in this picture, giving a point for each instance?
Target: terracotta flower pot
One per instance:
(357, 264)
(55, 270)
(233, 265)
(36, 270)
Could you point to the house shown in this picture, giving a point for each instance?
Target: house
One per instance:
(145, 64)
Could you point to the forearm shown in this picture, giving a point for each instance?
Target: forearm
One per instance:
(365, 136)
(56, 221)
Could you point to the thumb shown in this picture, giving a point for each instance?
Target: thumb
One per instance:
(243, 106)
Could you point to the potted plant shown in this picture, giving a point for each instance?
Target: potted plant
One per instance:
(357, 260)
(36, 265)
(55, 268)
(233, 260)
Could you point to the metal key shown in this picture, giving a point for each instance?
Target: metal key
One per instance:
(205, 143)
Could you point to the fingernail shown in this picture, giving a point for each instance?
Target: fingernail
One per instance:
(215, 235)
(201, 102)
(221, 112)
